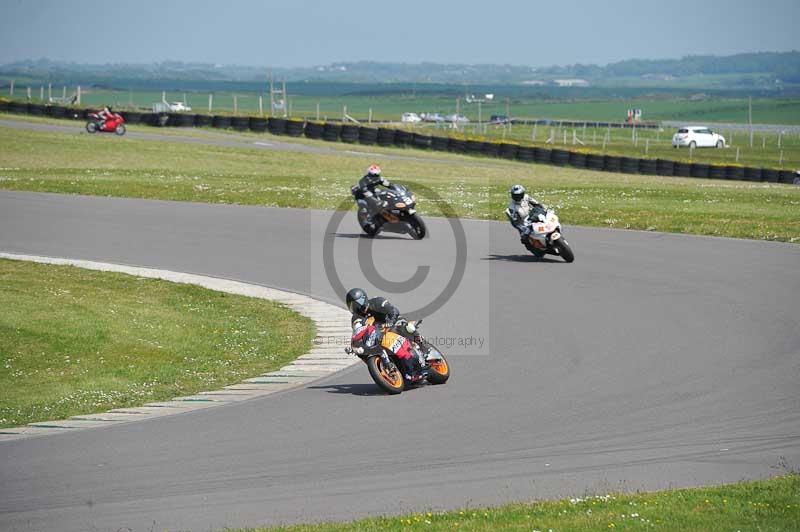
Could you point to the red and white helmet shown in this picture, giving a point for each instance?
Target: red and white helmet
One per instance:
(374, 169)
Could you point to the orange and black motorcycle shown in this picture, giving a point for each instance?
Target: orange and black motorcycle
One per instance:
(398, 209)
(382, 350)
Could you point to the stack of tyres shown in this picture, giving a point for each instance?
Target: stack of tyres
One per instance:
(403, 138)
(648, 166)
(440, 143)
(422, 141)
(240, 123)
(367, 135)
(752, 174)
(700, 170)
(180, 120)
(508, 151)
(577, 159)
(665, 167)
(203, 120)
(734, 173)
(594, 161)
(295, 128)
(788, 177)
(221, 121)
(4, 105)
(474, 147)
(331, 131)
(17, 107)
(385, 136)
(716, 172)
(132, 117)
(560, 157)
(35, 109)
(770, 175)
(457, 146)
(526, 154)
(277, 125)
(629, 165)
(681, 169)
(490, 149)
(313, 130)
(258, 124)
(349, 133)
(542, 155)
(611, 163)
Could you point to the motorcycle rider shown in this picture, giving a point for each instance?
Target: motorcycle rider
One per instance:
(104, 115)
(367, 184)
(519, 208)
(386, 316)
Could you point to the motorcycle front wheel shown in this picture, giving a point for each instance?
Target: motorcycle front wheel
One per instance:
(439, 370)
(387, 376)
(564, 251)
(120, 130)
(420, 230)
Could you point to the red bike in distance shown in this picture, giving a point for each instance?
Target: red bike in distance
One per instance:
(113, 124)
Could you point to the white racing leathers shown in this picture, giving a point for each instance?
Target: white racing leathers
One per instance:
(518, 212)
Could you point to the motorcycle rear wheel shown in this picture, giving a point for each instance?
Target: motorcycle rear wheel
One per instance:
(370, 229)
(91, 127)
(388, 377)
(538, 253)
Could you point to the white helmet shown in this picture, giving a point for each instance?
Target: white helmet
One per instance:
(517, 193)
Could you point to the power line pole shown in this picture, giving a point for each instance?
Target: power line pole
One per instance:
(750, 117)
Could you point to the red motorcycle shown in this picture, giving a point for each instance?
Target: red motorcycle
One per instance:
(113, 124)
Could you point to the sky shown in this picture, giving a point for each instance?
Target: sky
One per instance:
(296, 33)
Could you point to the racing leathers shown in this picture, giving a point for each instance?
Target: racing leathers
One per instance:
(518, 212)
(367, 185)
(387, 316)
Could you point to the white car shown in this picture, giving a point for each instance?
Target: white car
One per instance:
(697, 137)
(410, 118)
(179, 107)
(456, 119)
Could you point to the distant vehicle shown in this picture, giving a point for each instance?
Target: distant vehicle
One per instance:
(697, 137)
(433, 117)
(456, 119)
(410, 118)
(179, 107)
(499, 119)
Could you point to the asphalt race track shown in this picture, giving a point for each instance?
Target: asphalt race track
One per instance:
(653, 361)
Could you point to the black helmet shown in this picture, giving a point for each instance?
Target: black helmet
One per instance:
(357, 301)
(517, 192)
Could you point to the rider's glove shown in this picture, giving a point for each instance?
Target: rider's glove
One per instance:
(541, 218)
(411, 327)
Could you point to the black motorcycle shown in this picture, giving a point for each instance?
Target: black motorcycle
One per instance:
(395, 206)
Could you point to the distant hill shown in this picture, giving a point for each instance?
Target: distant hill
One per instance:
(763, 71)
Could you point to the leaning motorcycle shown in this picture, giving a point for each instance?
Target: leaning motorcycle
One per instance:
(397, 206)
(381, 350)
(113, 124)
(544, 236)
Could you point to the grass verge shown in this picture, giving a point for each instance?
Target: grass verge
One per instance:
(768, 505)
(75, 341)
(473, 187)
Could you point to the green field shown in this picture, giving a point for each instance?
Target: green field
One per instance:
(472, 187)
(390, 107)
(766, 506)
(76, 341)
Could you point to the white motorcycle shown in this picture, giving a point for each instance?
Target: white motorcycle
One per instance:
(543, 231)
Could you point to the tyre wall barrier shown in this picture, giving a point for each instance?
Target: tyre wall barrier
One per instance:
(203, 120)
(526, 154)
(457, 146)
(440, 143)
(787, 176)
(240, 123)
(735, 173)
(422, 141)
(560, 157)
(403, 138)
(331, 132)
(385, 136)
(770, 175)
(367, 135)
(313, 130)
(474, 147)
(258, 124)
(577, 159)
(180, 120)
(699, 170)
(681, 169)
(349, 133)
(716, 172)
(222, 122)
(594, 161)
(665, 167)
(4, 104)
(611, 163)
(295, 128)
(508, 151)
(132, 117)
(648, 167)
(36, 109)
(276, 125)
(752, 174)
(629, 165)
(542, 155)
(490, 149)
